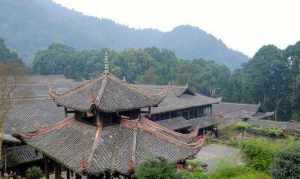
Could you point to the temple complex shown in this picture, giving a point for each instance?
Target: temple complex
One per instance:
(107, 125)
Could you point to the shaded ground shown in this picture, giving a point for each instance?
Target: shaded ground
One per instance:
(213, 153)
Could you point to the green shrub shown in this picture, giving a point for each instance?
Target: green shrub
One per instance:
(197, 170)
(286, 163)
(270, 132)
(242, 126)
(34, 173)
(274, 132)
(296, 115)
(156, 168)
(259, 153)
(195, 164)
(184, 175)
(227, 170)
(198, 174)
(254, 175)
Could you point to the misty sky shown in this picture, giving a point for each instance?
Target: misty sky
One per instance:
(243, 25)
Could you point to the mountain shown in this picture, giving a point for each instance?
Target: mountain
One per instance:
(30, 25)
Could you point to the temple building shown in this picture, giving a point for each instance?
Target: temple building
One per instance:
(182, 109)
(107, 126)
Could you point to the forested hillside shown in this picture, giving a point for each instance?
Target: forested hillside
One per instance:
(271, 77)
(147, 66)
(39, 23)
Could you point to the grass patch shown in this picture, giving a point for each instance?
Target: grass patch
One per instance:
(228, 170)
(259, 152)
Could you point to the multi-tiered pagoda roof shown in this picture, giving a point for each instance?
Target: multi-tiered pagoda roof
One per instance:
(108, 94)
(91, 148)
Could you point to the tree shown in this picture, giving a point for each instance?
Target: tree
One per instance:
(286, 164)
(7, 55)
(295, 99)
(34, 173)
(53, 60)
(265, 79)
(156, 168)
(204, 76)
(292, 54)
(148, 66)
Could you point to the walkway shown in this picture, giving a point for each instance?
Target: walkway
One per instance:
(213, 153)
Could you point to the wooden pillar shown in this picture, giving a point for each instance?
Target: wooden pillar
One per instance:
(66, 112)
(77, 176)
(5, 160)
(211, 112)
(57, 172)
(46, 168)
(68, 174)
(149, 111)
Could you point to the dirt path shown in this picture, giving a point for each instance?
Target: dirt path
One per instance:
(213, 153)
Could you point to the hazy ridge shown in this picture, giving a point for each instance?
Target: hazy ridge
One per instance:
(39, 23)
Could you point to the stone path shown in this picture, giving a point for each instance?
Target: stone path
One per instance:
(213, 153)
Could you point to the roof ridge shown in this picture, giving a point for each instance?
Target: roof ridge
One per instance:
(79, 87)
(159, 86)
(50, 128)
(101, 90)
(130, 87)
(154, 130)
(95, 144)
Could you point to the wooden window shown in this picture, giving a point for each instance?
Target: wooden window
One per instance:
(173, 114)
(186, 114)
(193, 113)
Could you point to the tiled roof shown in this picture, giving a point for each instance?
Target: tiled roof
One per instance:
(108, 93)
(31, 114)
(226, 108)
(21, 154)
(32, 108)
(72, 144)
(178, 97)
(181, 122)
(68, 145)
(230, 113)
(114, 150)
(173, 103)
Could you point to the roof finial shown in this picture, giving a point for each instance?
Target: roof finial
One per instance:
(106, 63)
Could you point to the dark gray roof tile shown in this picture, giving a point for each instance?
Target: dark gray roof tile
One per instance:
(21, 154)
(73, 143)
(178, 97)
(107, 92)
